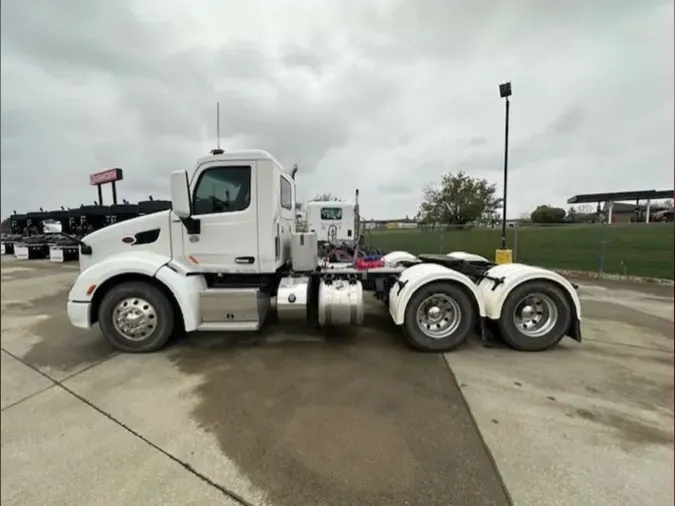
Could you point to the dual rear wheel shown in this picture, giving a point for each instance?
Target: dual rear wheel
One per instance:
(441, 316)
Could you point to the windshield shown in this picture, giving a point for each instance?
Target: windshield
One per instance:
(331, 213)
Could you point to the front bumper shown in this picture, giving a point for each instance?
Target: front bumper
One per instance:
(79, 314)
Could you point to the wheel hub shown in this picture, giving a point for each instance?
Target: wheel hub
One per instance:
(528, 312)
(434, 313)
(438, 316)
(135, 318)
(535, 315)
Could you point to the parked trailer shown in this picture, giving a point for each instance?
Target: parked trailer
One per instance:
(17, 223)
(122, 212)
(61, 247)
(92, 218)
(153, 206)
(33, 244)
(227, 256)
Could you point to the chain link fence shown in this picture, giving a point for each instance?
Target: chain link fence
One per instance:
(631, 249)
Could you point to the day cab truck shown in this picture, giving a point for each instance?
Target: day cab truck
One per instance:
(227, 258)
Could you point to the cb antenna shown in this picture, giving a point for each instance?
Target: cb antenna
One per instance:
(218, 124)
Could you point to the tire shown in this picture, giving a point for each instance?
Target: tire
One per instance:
(151, 303)
(463, 308)
(518, 338)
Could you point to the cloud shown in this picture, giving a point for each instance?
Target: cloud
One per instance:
(384, 95)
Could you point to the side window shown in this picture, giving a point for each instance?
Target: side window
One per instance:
(331, 213)
(223, 190)
(286, 194)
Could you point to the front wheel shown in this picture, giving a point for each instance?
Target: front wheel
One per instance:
(535, 316)
(136, 317)
(439, 317)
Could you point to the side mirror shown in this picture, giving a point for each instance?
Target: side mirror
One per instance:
(180, 194)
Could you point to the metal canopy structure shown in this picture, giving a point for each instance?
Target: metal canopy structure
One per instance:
(591, 198)
(610, 198)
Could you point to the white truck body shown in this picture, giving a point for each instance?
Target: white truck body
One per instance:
(223, 258)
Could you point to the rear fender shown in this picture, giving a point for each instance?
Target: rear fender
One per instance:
(415, 277)
(468, 257)
(395, 257)
(512, 275)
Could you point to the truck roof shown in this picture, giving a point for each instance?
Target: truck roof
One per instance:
(329, 203)
(242, 154)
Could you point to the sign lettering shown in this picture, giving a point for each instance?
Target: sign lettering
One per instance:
(106, 176)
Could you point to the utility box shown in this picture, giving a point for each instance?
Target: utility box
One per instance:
(304, 251)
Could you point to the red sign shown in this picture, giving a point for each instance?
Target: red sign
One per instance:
(106, 176)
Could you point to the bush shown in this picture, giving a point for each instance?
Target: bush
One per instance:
(548, 214)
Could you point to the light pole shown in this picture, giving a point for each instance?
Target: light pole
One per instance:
(505, 93)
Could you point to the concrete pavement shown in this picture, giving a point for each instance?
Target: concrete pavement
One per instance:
(588, 424)
(291, 418)
(283, 419)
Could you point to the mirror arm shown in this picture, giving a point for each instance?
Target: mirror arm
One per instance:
(192, 225)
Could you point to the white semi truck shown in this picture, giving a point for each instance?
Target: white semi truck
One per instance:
(227, 257)
(334, 222)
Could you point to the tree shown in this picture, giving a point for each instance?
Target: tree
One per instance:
(572, 215)
(585, 209)
(547, 214)
(325, 197)
(459, 199)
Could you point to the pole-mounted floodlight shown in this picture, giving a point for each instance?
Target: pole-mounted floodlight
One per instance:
(505, 90)
(505, 93)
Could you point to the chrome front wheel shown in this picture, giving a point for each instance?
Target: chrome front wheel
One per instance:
(135, 318)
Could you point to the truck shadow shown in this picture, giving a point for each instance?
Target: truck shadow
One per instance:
(59, 346)
(344, 417)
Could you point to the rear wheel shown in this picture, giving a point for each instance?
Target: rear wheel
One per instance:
(535, 316)
(439, 317)
(136, 317)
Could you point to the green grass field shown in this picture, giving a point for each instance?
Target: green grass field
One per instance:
(633, 249)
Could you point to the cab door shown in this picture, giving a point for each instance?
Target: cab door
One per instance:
(224, 201)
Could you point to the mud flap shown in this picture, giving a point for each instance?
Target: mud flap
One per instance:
(575, 329)
(483, 331)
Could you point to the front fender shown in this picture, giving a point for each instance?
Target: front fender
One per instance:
(419, 275)
(514, 275)
(141, 262)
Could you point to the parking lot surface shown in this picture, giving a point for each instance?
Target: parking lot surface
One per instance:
(291, 418)
(284, 418)
(588, 423)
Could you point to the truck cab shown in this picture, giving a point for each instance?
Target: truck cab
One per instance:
(333, 222)
(241, 215)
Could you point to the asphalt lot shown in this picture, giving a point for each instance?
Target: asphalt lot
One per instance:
(287, 418)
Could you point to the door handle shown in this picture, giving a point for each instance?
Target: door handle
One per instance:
(244, 260)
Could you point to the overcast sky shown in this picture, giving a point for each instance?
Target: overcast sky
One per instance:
(381, 95)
